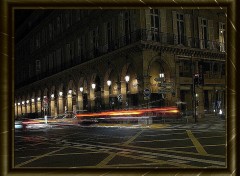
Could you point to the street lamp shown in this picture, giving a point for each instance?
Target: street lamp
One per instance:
(38, 98)
(60, 93)
(93, 85)
(109, 82)
(52, 96)
(32, 99)
(81, 90)
(162, 79)
(127, 78)
(70, 91)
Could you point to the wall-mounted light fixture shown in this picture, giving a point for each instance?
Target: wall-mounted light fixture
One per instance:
(161, 75)
(81, 89)
(93, 85)
(109, 82)
(127, 78)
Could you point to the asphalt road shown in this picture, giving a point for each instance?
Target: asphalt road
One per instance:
(124, 146)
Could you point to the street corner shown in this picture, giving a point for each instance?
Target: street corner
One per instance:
(156, 126)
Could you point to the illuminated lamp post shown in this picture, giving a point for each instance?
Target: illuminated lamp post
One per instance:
(127, 78)
(109, 82)
(81, 90)
(93, 87)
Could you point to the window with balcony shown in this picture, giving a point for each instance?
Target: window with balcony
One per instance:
(109, 35)
(59, 58)
(127, 26)
(43, 36)
(38, 67)
(95, 39)
(222, 34)
(203, 33)
(50, 31)
(155, 25)
(58, 24)
(185, 68)
(67, 18)
(68, 52)
(180, 29)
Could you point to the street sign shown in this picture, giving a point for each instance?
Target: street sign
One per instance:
(167, 84)
(158, 79)
(45, 102)
(119, 97)
(147, 92)
(163, 91)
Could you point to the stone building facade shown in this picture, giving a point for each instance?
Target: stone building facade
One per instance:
(162, 50)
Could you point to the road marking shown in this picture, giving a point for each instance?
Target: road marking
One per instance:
(111, 156)
(196, 143)
(163, 140)
(106, 160)
(38, 157)
(163, 155)
(132, 138)
(181, 165)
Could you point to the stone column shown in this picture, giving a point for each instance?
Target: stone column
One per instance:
(52, 107)
(19, 109)
(60, 105)
(91, 103)
(80, 100)
(28, 107)
(69, 102)
(33, 107)
(39, 107)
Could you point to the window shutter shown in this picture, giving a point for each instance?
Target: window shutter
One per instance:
(148, 24)
(120, 24)
(148, 19)
(163, 21)
(210, 34)
(187, 21)
(38, 66)
(174, 23)
(105, 41)
(200, 32)
(163, 25)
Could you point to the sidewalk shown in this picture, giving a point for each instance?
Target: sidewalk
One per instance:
(208, 118)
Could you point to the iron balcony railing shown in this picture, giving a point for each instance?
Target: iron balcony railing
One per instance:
(146, 35)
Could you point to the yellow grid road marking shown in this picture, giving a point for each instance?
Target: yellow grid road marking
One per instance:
(106, 160)
(196, 143)
(38, 157)
(133, 138)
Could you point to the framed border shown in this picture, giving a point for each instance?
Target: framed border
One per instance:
(7, 84)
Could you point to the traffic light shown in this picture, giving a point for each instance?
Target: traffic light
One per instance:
(201, 80)
(196, 79)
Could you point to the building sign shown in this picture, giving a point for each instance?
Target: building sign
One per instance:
(147, 92)
(45, 102)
